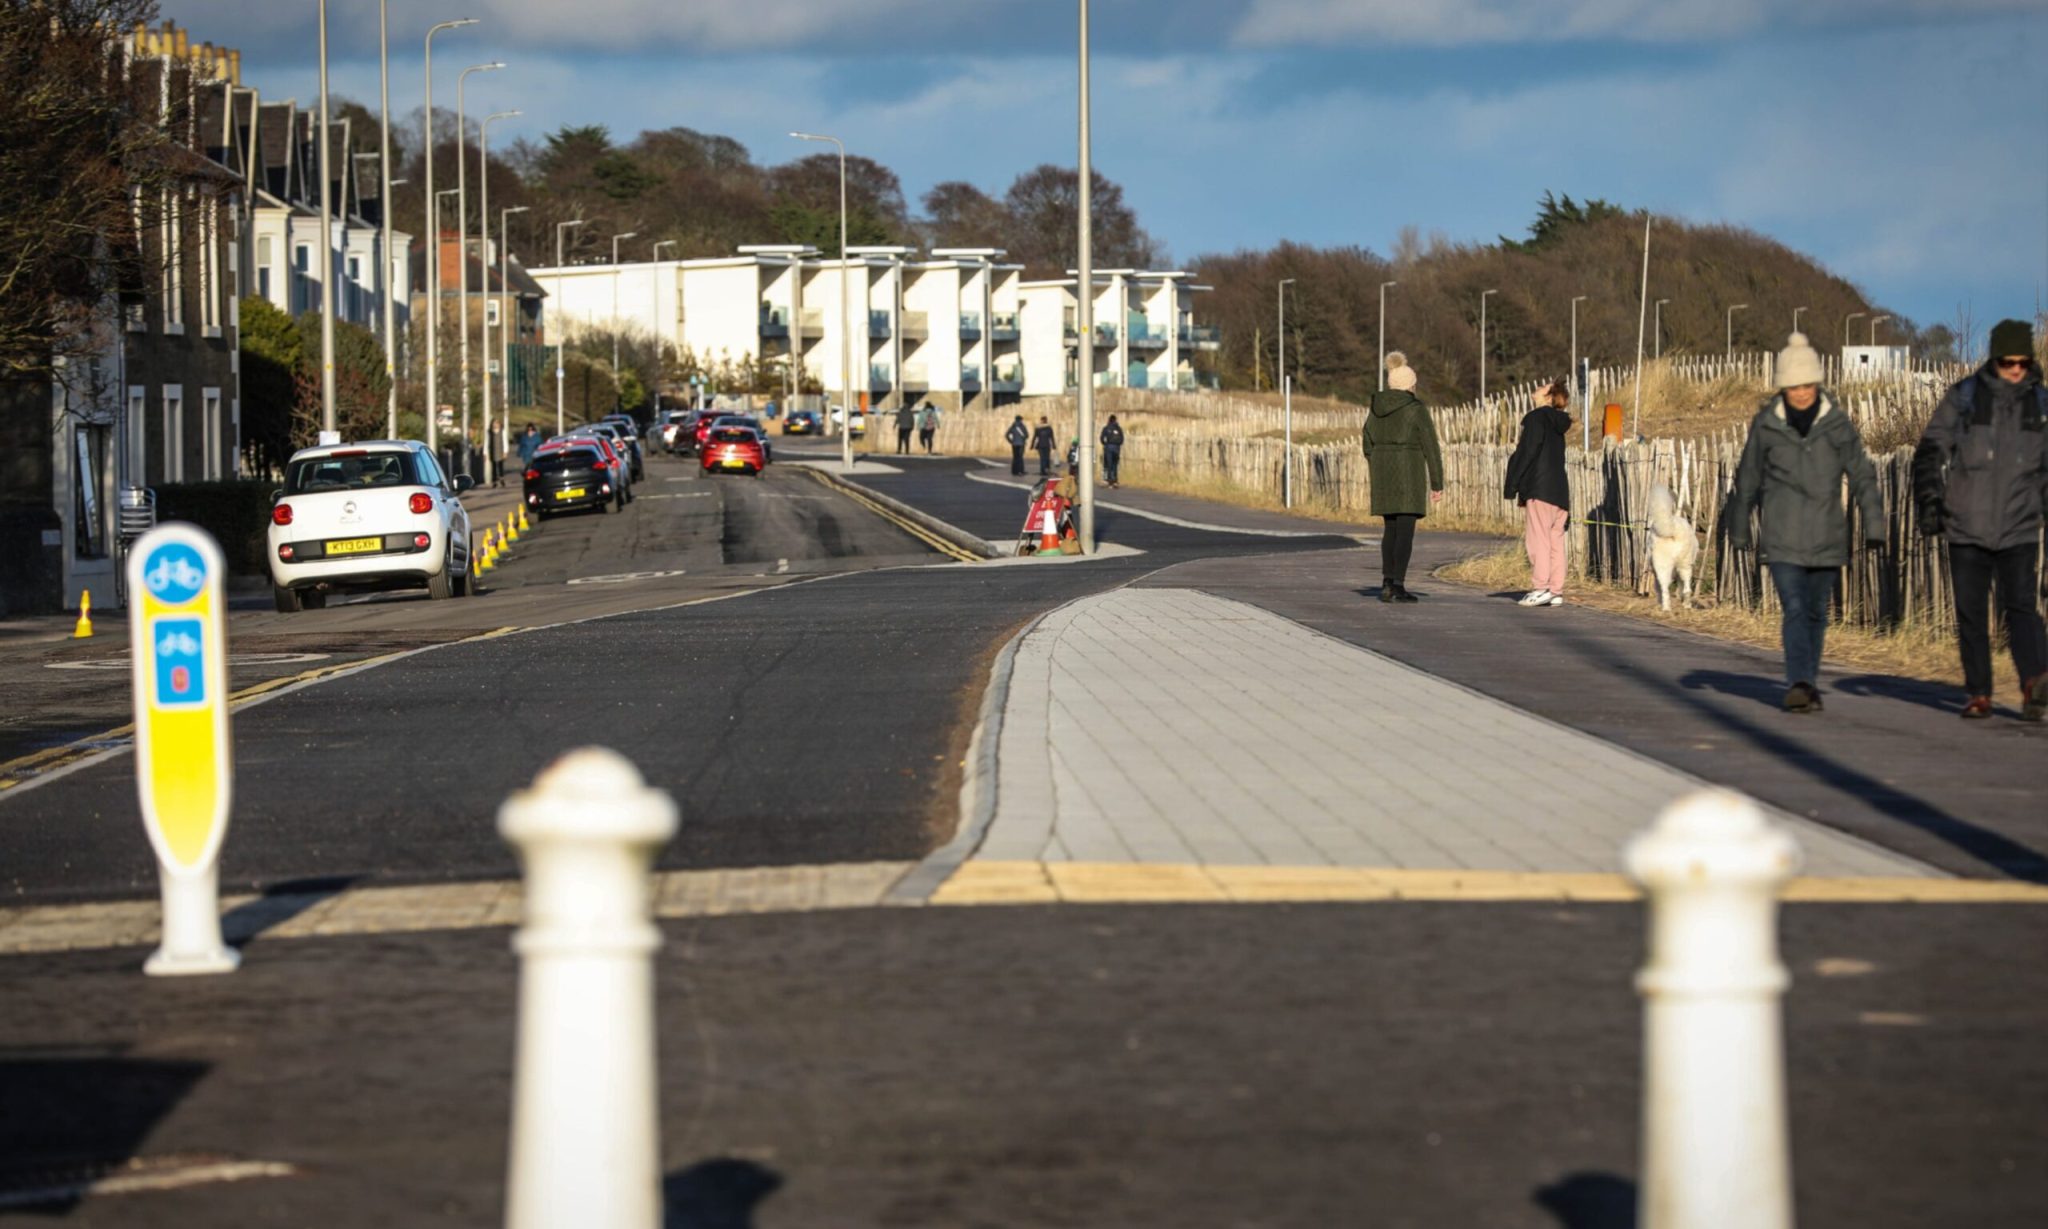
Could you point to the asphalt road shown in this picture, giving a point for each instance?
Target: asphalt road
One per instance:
(819, 718)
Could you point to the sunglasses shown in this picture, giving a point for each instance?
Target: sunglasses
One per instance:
(2015, 362)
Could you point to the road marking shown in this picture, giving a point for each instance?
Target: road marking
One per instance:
(236, 659)
(904, 523)
(1334, 532)
(681, 494)
(781, 566)
(624, 578)
(137, 1175)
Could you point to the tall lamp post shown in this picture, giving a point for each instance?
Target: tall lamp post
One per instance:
(1739, 307)
(1796, 313)
(561, 366)
(326, 245)
(462, 233)
(845, 312)
(505, 326)
(433, 238)
(483, 221)
(1874, 322)
(1084, 401)
(1846, 321)
(1383, 332)
(1286, 402)
(1657, 342)
(1585, 423)
(384, 263)
(1483, 297)
(618, 396)
(654, 305)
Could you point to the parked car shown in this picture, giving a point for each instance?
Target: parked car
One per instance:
(701, 427)
(734, 448)
(667, 425)
(626, 424)
(573, 476)
(621, 470)
(365, 518)
(802, 422)
(625, 441)
(860, 421)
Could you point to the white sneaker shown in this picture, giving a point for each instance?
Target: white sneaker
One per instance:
(1535, 597)
(1556, 599)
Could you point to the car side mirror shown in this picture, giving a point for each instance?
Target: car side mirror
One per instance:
(276, 495)
(463, 482)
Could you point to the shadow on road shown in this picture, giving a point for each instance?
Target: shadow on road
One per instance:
(66, 1119)
(716, 1194)
(280, 903)
(1590, 1201)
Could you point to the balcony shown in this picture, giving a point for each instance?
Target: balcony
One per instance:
(970, 326)
(914, 326)
(1142, 335)
(915, 377)
(1137, 375)
(1010, 379)
(970, 379)
(1003, 326)
(1201, 336)
(1196, 381)
(812, 323)
(878, 324)
(1105, 379)
(879, 376)
(774, 322)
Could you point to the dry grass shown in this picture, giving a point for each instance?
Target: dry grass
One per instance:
(1913, 651)
(1151, 478)
(1678, 408)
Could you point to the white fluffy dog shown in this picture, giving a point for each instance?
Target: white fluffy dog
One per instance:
(1674, 547)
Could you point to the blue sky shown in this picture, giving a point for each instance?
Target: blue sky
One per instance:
(1903, 142)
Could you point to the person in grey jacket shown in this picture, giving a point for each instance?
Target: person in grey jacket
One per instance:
(1801, 446)
(1980, 480)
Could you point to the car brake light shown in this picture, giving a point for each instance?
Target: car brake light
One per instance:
(533, 475)
(286, 552)
(281, 514)
(421, 541)
(421, 502)
(606, 489)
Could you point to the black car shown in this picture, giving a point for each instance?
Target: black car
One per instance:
(686, 431)
(559, 479)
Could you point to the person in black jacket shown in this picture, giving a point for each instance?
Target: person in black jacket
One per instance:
(1042, 442)
(1801, 447)
(1112, 449)
(1980, 480)
(1536, 480)
(1016, 437)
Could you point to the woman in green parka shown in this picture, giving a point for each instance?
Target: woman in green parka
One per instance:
(1407, 471)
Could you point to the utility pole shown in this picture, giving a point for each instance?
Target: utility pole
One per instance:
(1483, 296)
(1085, 402)
(1585, 421)
(1738, 307)
(384, 262)
(618, 394)
(1286, 403)
(326, 245)
(433, 238)
(845, 311)
(561, 358)
(1657, 346)
(1642, 319)
(483, 219)
(1383, 332)
(462, 236)
(507, 322)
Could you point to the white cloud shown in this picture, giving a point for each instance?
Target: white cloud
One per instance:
(1445, 23)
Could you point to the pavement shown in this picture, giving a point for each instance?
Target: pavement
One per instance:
(1184, 886)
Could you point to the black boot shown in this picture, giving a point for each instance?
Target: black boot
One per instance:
(1401, 594)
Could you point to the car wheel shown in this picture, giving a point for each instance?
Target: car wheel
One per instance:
(463, 585)
(287, 599)
(441, 586)
(313, 599)
(603, 506)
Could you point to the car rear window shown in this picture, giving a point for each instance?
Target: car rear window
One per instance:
(352, 472)
(568, 458)
(733, 435)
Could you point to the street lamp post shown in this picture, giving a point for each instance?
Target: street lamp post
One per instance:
(1084, 404)
(1286, 403)
(326, 245)
(505, 325)
(561, 367)
(433, 238)
(1383, 332)
(618, 396)
(654, 307)
(1846, 321)
(384, 259)
(483, 221)
(1585, 423)
(1796, 313)
(845, 312)
(462, 233)
(1874, 322)
(1483, 296)
(1657, 341)
(1739, 307)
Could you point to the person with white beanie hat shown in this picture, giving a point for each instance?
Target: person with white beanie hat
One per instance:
(1801, 447)
(1406, 465)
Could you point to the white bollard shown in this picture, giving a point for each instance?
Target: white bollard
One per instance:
(1715, 1153)
(585, 1133)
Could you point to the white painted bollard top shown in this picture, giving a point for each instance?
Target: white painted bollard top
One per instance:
(585, 1145)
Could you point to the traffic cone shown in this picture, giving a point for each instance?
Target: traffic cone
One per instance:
(1049, 533)
(485, 561)
(84, 629)
(523, 526)
(511, 528)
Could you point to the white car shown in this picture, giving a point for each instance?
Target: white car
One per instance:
(366, 517)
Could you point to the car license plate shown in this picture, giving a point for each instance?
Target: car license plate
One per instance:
(735, 463)
(355, 546)
(574, 492)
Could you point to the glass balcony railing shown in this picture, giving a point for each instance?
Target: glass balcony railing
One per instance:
(878, 324)
(774, 322)
(1005, 325)
(1105, 379)
(1196, 381)
(970, 379)
(1137, 376)
(1010, 379)
(970, 324)
(1204, 336)
(879, 376)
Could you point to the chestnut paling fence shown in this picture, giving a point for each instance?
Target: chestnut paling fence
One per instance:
(1223, 443)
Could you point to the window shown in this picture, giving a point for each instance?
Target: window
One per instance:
(302, 265)
(491, 315)
(357, 469)
(209, 401)
(133, 311)
(263, 259)
(89, 530)
(209, 266)
(174, 435)
(174, 263)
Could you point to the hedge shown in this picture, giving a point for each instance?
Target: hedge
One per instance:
(233, 512)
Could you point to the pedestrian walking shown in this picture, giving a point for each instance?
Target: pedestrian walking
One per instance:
(1112, 449)
(1980, 479)
(492, 435)
(1016, 437)
(906, 422)
(1074, 454)
(529, 443)
(1407, 471)
(1801, 447)
(1536, 480)
(927, 426)
(1043, 443)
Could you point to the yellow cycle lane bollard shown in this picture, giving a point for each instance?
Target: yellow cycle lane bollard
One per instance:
(184, 755)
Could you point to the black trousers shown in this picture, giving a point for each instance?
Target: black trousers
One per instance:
(924, 436)
(1111, 456)
(1397, 544)
(903, 441)
(1976, 572)
(1044, 462)
(1016, 458)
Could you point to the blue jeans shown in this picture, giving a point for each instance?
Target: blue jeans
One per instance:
(1804, 593)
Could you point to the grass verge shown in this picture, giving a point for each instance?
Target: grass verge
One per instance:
(1913, 651)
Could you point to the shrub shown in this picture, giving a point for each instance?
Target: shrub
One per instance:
(233, 512)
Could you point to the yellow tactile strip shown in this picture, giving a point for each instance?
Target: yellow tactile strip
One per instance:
(1038, 883)
(799, 889)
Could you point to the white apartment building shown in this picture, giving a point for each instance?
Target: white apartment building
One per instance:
(957, 327)
(1145, 333)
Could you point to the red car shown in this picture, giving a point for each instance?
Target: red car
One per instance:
(733, 448)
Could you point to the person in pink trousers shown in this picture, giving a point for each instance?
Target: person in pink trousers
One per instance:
(1536, 480)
